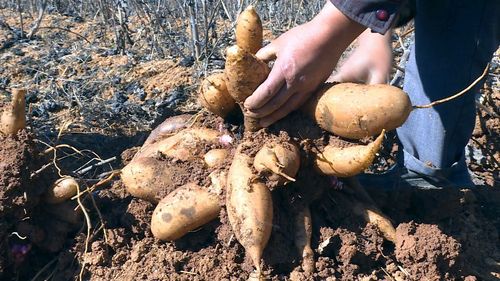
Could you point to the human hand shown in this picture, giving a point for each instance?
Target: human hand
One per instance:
(305, 56)
(370, 62)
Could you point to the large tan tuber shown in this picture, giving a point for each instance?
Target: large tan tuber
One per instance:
(13, 118)
(356, 111)
(249, 207)
(168, 128)
(249, 30)
(244, 73)
(182, 146)
(349, 161)
(214, 95)
(147, 177)
(278, 162)
(183, 210)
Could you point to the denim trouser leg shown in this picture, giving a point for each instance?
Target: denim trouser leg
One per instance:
(454, 40)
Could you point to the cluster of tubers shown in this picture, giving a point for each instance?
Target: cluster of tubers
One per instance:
(347, 110)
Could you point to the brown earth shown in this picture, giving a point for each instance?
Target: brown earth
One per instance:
(441, 234)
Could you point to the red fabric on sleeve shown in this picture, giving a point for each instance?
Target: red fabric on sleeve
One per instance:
(379, 16)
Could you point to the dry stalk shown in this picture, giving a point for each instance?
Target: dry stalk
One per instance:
(41, 12)
(66, 30)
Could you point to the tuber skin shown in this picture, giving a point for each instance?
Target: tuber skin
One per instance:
(147, 177)
(374, 216)
(63, 189)
(244, 73)
(168, 127)
(303, 233)
(214, 95)
(349, 161)
(249, 30)
(215, 157)
(182, 146)
(355, 111)
(364, 206)
(183, 210)
(218, 181)
(280, 162)
(249, 207)
(13, 118)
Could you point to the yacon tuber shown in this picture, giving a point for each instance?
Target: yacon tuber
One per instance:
(214, 95)
(183, 210)
(13, 118)
(249, 207)
(244, 73)
(249, 30)
(62, 190)
(279, 162)
(355, 111)
(349, 161)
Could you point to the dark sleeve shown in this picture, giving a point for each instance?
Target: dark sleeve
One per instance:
(378, 15)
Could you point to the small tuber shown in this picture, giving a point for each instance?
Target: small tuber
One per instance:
(215, 157)
(62, 190)
(279, 162)
(303, 233)
(214, 95)
(249, 30)
(13, 118)
(349, 161)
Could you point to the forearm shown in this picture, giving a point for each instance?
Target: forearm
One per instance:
(335, 31)
(371, 38)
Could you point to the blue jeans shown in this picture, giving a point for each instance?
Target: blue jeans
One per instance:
(454, 41)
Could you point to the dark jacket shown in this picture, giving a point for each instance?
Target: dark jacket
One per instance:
(378, 15)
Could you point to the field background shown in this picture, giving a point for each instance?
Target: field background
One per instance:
(101, 74)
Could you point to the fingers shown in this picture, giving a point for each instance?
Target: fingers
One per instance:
(350, 72)
(266, 91)
(274, 103)
(267, 53)
(292, 104)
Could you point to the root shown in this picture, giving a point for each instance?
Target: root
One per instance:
(434, 103)
(279, 173)
(362, 204)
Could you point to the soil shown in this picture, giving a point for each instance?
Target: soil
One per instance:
(442, 234)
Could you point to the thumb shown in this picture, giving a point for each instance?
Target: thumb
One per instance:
(267, 53)
(377, 78)
(337, 77)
